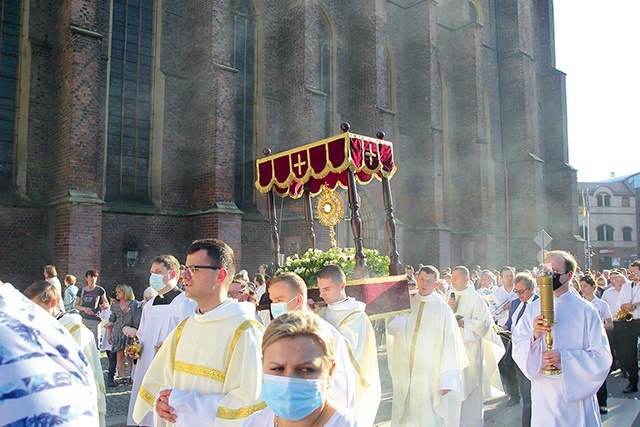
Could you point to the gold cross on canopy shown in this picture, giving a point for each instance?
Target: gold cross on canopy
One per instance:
(299, 164)
(370, 155)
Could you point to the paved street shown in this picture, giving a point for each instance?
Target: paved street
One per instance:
(624, 410)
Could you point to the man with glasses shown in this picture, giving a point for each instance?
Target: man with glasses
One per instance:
(580, 350)
(238, 291)
(427, 387)
(159, 317)
(524, 286)
(505, 296)
(208, 370)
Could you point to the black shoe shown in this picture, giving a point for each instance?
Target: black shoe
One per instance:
(631, 388)
(111, 383)
(513, 401)
(603, 410)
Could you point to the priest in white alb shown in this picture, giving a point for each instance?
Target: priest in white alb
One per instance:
(580, 350)
(348, 316)
(426, 355)
(481, 379)
(159, 317)
(208, 370)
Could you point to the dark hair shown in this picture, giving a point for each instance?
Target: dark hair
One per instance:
(219, 253)
(589, 279)
(259, 278)
(92, 273)
(333, 273)
(170, 262)
(430, 269)
(507, 268)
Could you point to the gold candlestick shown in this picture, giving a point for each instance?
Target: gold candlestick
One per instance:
(545, 281)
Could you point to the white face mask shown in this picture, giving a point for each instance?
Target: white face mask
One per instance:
(280, 308)
(156, 281)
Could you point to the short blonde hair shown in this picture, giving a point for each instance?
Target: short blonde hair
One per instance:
(127, 291)
(301, 323)
(70, 279)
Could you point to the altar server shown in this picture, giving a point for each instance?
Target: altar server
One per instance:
(159, 317)
(580, 350)
(348, 316)
(208, 370)
(484, 348)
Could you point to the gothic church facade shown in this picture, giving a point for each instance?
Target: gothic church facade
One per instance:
(134, 125)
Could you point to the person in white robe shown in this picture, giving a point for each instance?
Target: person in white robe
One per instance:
(207, 371)
(349, 317)
(427, 391)
(46, 295)
(481, 379)
(580, 350)
(159, 317)
(587, 288)
(612, 297)
(288, 292)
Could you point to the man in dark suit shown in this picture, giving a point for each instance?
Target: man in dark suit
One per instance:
(525, 286)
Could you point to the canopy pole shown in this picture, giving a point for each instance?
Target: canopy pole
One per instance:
(274, 238)
(395, 267)
(356, 223)
(308, 216)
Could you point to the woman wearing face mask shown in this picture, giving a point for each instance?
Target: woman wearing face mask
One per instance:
(298, 358)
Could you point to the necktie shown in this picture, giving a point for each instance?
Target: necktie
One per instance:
(524, 307)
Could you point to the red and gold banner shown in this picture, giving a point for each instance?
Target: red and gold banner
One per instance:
(325, 162)
(384, 296)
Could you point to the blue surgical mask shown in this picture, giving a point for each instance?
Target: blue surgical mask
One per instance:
(292, 398)
(156, 282)
(280, 308)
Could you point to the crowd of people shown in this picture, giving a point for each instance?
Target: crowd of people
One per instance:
(200, 353)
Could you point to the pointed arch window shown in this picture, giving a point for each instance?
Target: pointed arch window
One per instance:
(326, 72)
(244, 60)
(9, 53)
(129, 103)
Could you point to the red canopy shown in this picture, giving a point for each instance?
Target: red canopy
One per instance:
(325, 162)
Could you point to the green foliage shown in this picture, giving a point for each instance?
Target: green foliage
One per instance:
(311, 262)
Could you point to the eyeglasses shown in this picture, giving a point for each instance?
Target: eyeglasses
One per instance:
(191, 269)
(234, 293)
(520, 291)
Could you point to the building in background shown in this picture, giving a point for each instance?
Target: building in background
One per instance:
(131, 127)
(613, 220)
